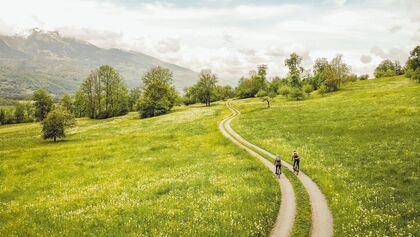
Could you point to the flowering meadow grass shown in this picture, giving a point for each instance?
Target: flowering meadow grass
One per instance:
(173, 175)
(360, 144)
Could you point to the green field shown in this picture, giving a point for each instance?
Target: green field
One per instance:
(170, 175)
(361, 145)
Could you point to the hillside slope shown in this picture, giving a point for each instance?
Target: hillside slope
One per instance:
(360, 144)
(59, 64)
(172, 175)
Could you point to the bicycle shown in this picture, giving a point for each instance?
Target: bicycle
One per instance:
(296, 167)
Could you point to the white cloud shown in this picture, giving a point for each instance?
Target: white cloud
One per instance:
(366, 59)
(229, 40)
(168, 46)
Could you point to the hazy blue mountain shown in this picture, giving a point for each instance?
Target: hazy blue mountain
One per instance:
(59, 64)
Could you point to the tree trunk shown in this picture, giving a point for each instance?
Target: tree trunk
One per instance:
(55, 138)
(268, 104)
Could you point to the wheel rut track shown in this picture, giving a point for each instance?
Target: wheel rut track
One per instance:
(322, 221)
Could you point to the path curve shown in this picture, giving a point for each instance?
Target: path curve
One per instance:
(322, 221)
(287, 211)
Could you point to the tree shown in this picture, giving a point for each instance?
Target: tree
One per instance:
(386, 69)
(249, 87)
(223, 93)
(80, 104)
(19, 113)
(2, 116)
(43, 104)
(267, 97)
(103, 94)
(159, 95)
(67, 103)
(276, 83)
(295, 69)
(319, 68)
(56, 122)
(416, 75)
(336, 73)
(308, 89)
(205, 88)
(133, 98)
(412, 67)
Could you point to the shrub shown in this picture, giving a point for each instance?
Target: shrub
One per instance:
(261, 93)
(2, 116)
(416, 75)
(308, 89)
(296, 94)
(19, 113)
(323, 90)
(363, 77)
(284, 91)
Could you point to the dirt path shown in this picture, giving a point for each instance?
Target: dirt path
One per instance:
(322, 221)
(287, 211)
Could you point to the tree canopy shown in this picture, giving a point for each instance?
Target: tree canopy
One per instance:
(43, 104)
(56, 122)
(103, 93)
(159, 95)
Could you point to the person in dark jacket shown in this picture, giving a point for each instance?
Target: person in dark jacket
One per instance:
(277, 163)
(296, 161)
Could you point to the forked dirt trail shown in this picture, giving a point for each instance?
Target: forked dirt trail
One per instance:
(322, 221)
(286, 215)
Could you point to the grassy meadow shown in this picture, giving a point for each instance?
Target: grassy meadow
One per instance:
(169, 176)
(360, 144)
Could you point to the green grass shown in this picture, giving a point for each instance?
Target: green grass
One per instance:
(302, 225)
(170, 175)
(361, 145)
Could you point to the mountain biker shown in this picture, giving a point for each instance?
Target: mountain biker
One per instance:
(277, 163)
(296, 160)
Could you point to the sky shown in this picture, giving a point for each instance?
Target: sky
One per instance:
(231, 37)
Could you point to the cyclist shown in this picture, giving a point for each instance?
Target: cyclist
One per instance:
(296, 160)
(277, 163)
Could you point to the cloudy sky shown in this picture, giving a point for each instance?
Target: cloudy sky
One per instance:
(228, 36)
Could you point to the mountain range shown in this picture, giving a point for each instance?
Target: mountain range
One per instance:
(59, 64)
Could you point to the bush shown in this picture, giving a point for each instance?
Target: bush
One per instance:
(19, 113)
(363, 77)
(416, 75)
(323, 90)
(296, 94)
(261, 93)
(308, 89)
(284, 91)
(2, 116)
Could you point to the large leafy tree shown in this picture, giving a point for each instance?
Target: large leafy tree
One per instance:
(67, 103)
(133, 98)
(413, 64)
(387, 68)
(103, 94)
(159, 95)
(295, 69)
(249, 87)
(205, 88)
(56, 122)
(336, 73)
(43, 104)
(19, 113)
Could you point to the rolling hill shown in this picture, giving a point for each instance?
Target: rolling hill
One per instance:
(59, 64)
